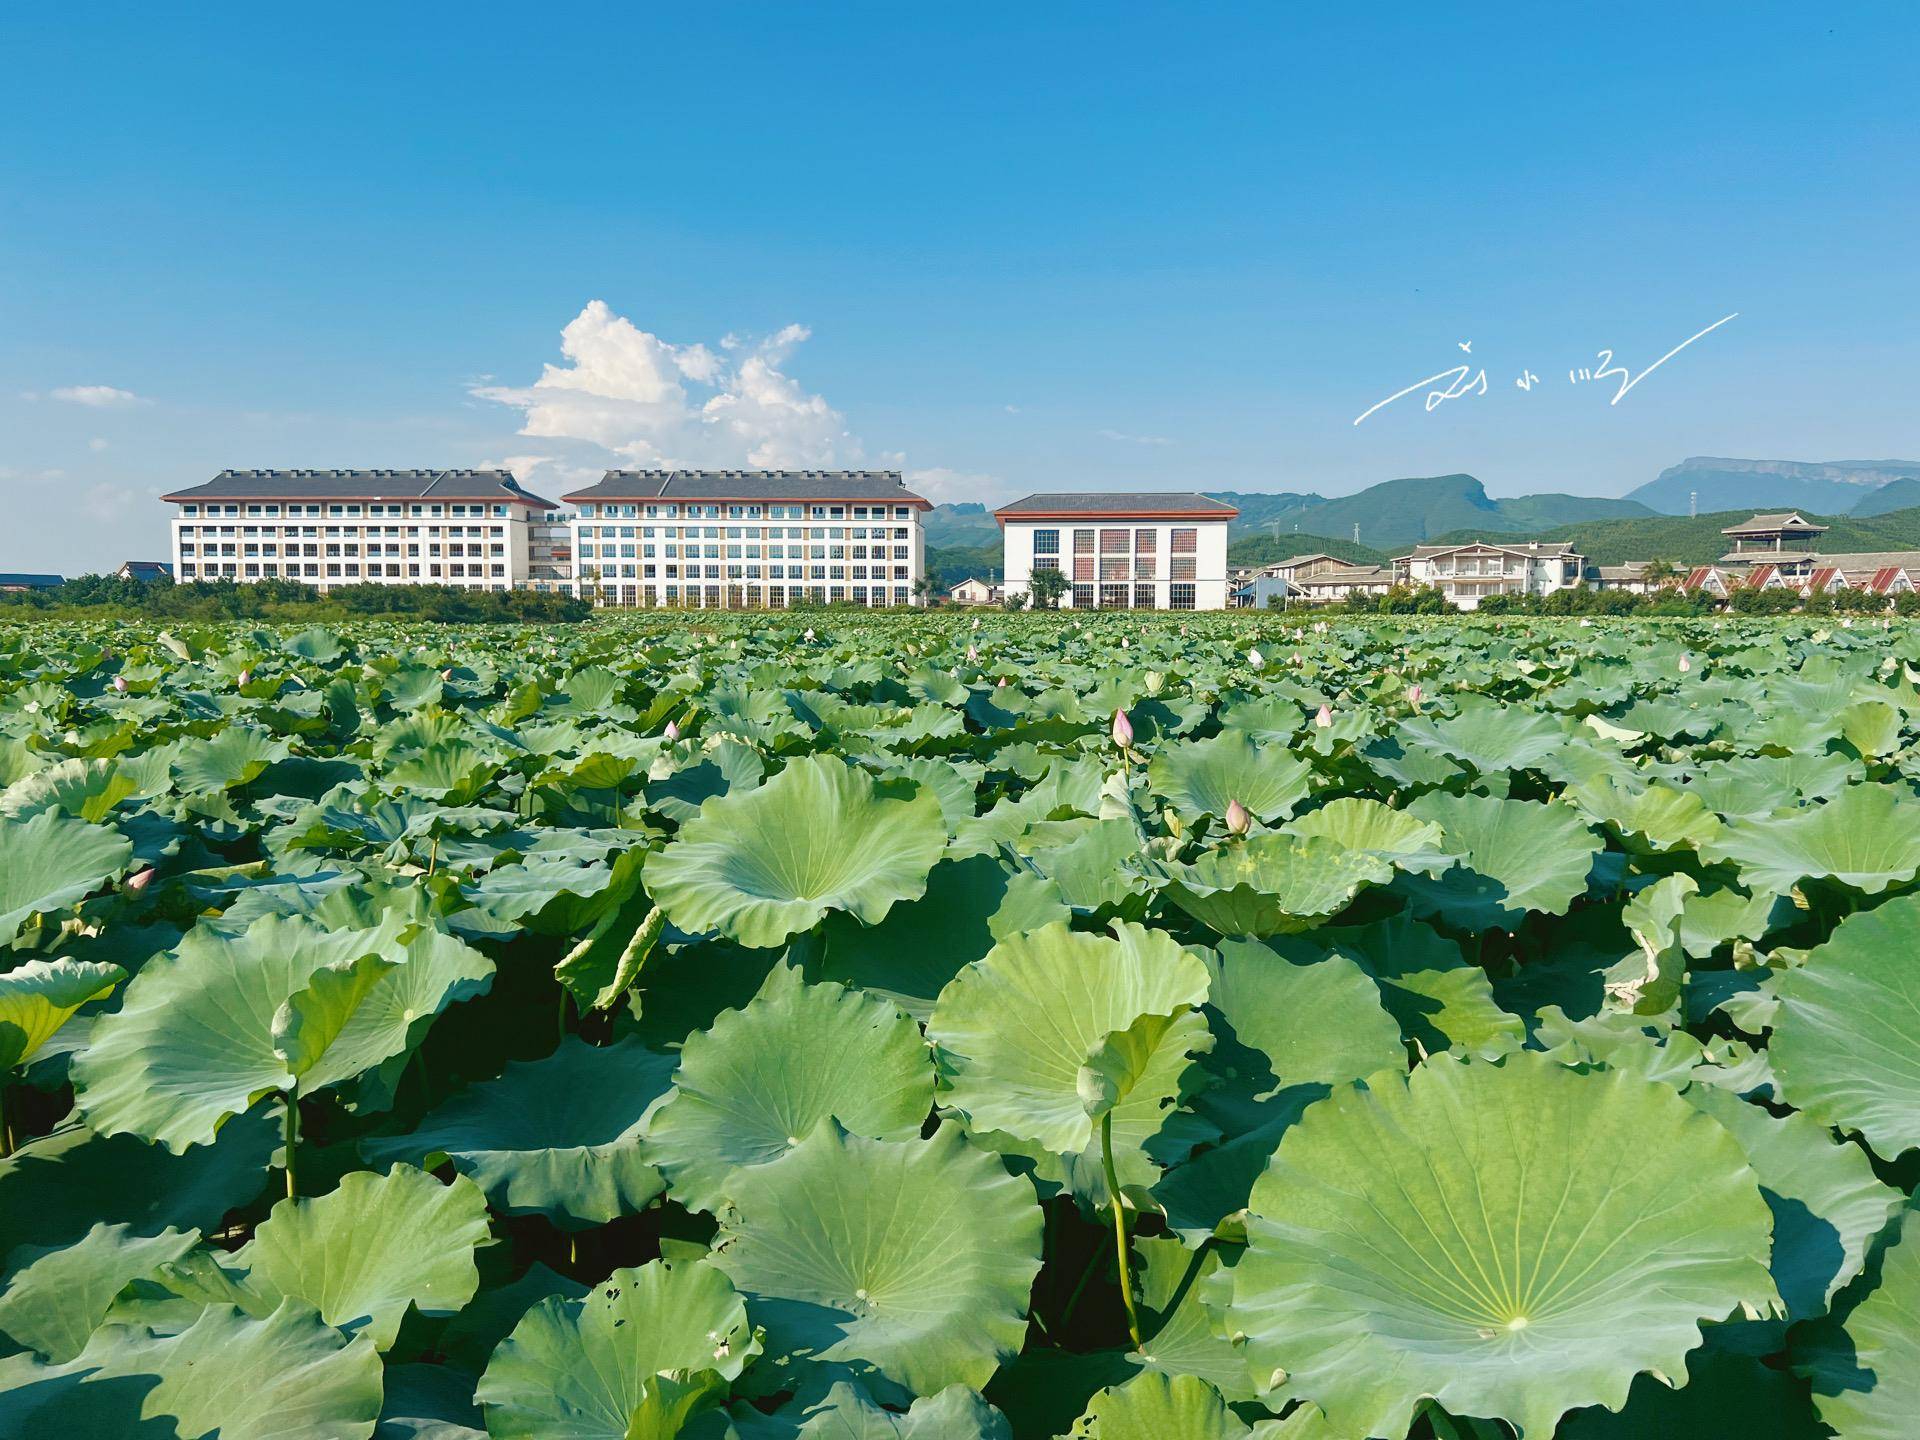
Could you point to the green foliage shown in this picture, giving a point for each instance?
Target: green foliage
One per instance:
(733, 1026)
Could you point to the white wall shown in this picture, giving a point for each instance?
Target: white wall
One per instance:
(1210, 556)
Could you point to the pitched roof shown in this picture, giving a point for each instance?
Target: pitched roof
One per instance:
(1357, 575)
(1825, 576)
(146, 569)
(362, 485)
(1768, 557)
(1767, 524)
(796, 485)
(18, 580)
(1095, 504)
(1292, 561)
(1547, 548)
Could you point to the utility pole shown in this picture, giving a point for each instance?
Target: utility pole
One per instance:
(1356, 532)
(1693, 504)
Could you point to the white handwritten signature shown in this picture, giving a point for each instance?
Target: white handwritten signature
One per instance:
(1458, 380)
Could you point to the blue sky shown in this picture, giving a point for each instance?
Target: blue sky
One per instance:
(1005, 247)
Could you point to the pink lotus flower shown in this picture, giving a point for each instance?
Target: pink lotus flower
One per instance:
(1003, 681)
(120, 683)
(1238, 820)
(1122, 730)
(1414, 695)
(446, 674)
(972, 654)
(1324, 717)
(137, 883)
(1685, 664)
(673, 730)
(246, 679)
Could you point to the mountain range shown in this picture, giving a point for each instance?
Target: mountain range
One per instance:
(1833, 487)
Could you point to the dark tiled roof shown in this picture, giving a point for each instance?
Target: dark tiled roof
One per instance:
(362, 485)
(803, 485)
(1355, 575)
(146, 569)
(14, 580)
(1767, 524)
(1121, 502)
(1546, 548)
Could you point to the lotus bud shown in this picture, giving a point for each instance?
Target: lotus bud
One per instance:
(673, 729)
(446, 674)
(976, 623)
(1003, 681)
(1256, 659)
(246, 679)
(972, 654)
(1685, 664)
(1414, 695)
(1324, 717)
(1156, 682)
(1238, 820)
(809, 634)
(120, 683)
(1122, 730)
(137, 883)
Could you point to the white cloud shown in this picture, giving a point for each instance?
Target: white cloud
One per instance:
(1126, 439)
(655, 403)
(98, 397)
(96, 444)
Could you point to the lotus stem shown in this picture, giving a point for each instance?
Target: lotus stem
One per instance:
(6, 1122)
(1119, 1228)
(290, 1106)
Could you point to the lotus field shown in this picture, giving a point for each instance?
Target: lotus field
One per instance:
(917, 1026)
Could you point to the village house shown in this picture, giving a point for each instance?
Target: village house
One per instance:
(1467, 573)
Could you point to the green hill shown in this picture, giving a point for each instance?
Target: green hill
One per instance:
(1894, 495)
(1397, 513)
(1265, 550)
(1696, 540)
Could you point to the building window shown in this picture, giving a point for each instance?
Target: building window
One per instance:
(1180, 597)
(1046, 562)
(1083, 597)
(1046, 542)
(1083, 542)
(1083, 567)
(1113, 597)
(1186, 542)
(1183, 568)
(1113, 567)
(1143, 597)
(1113, 540)
(1145, 541)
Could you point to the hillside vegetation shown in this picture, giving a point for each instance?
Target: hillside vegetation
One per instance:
(1697, 539)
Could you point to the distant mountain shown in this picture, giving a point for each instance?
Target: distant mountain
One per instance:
(1894, 495)
(1833, 487)
(1398, 513)
(1696, 540)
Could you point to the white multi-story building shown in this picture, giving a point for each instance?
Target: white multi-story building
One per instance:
(749, 539)
(1467, 574)
(1161, 551)
(327, 528)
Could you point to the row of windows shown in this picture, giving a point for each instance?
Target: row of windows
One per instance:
(1186, 541)
(1131, 597)
(669, 511)
(349, 549)
(1123, 567)
(498, 532)
(294, 570)
(344, 508)
(748, 552)
(630, 570)
(752, 597)
(750, 532)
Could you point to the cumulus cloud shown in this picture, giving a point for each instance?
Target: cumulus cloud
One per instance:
(652, 402)
(1126, 439)
(98, 397)
(96, 444)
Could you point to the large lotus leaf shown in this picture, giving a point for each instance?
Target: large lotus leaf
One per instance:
(764, 864)
(757, 1080)
(558, 1136)
(55, 1299)
(1152, 1406)
(1274, 883)
(84, 789)
(1440, 1000)
(582, 1369)
(1204, 777)
(229, 1377)
(1867, 837)
(235, 756)
(913, 1258)
(1317, 1023)
(1518, 855)
(52, 862)
(1866, 1381)
(1184, 1335)
(1827, 1205)
(36, 999)
(1376, 829)
(1651, 817)
(53, 1187)
(428, 1402)
(1514, 1239)
(193, 1041)
(1014, 1030)
(1206, 1195)
(370, 1249)
(1845, 1038)
(1489, 736)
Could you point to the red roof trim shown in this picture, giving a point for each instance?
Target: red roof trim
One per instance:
(915, 502)
(1049, 517)
(179, 498)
